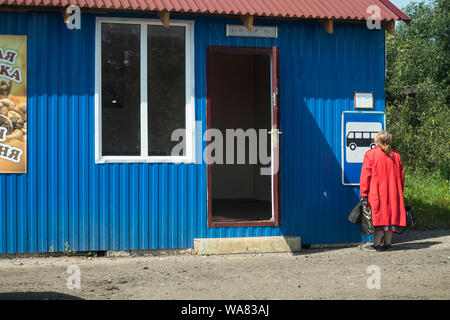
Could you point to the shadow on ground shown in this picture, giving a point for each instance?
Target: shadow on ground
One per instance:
(37, 296)
(416, 235)
(408, 240)
(414, 245)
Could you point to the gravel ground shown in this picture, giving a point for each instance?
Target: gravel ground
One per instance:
(416, 268)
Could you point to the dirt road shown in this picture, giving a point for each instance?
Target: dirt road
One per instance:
(418, 267)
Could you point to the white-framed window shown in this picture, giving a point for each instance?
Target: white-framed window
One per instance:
(144, 91)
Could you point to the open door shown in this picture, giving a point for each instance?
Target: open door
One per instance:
(243, 93)
(275, 132)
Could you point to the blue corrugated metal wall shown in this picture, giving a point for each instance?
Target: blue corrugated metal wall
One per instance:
(66, 199)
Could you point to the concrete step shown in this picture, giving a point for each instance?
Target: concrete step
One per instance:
(274, 244)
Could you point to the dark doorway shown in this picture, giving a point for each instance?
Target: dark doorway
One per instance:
(239, 97)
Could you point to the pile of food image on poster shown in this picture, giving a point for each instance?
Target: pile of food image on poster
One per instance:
(13, 104)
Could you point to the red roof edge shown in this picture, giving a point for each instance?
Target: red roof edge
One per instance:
(396, 10)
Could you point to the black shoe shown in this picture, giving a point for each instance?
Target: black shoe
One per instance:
(386, 247)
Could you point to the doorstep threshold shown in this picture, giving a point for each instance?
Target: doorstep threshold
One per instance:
(270, 244)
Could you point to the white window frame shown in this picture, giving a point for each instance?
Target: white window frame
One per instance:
(190, 94)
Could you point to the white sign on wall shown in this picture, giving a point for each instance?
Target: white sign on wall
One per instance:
(257, 31)
(359, 138)
(363, 100)
(358, 129)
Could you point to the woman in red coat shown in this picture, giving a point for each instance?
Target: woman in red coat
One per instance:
(381, 184)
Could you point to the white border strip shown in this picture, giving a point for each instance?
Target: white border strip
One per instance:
(144, 95)
(190, 95)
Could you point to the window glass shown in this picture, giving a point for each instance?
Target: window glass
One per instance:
(358, 135)
(373, 134)
(120, 89)
(166, 87)
(351, 135)
(366, 135)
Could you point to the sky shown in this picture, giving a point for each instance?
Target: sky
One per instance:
(402, 3)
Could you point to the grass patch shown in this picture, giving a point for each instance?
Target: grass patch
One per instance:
(429, 197)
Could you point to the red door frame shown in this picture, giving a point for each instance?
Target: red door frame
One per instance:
(274, 53)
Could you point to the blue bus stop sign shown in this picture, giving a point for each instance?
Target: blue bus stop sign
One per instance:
(358, 129)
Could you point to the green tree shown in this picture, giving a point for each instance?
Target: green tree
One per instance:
(417, 88)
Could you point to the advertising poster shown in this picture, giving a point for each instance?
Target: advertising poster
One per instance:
(13, 104)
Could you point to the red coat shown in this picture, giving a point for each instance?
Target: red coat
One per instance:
(382, 181)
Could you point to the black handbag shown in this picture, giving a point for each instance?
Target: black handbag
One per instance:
(410, 220)
(362, 215)
(366, 219)
(355, 215)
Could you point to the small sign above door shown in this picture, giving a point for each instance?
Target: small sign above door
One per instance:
(363, 100)
(257, 32)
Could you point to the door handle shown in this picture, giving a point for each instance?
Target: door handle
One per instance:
(276, 131)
